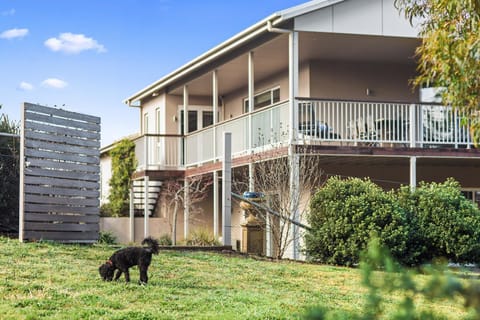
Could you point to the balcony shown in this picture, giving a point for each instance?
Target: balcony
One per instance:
(320, 122)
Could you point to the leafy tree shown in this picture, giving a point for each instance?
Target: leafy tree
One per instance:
(123, 165)
(9, 174)
(449, 55)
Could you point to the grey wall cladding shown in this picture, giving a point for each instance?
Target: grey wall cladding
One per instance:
(60, 175)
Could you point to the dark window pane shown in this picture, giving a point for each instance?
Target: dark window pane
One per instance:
(275, 95)
(192, 121)
(207, 118)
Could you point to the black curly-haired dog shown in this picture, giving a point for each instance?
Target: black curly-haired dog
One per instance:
(126, 258)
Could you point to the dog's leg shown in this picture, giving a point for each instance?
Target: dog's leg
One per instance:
(127, 276)
(143, 274)
(118, 274)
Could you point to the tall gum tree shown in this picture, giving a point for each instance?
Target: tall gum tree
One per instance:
(449, 55)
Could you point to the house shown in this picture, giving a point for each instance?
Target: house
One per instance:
(328, 77)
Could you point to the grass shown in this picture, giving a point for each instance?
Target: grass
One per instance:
(54, 281)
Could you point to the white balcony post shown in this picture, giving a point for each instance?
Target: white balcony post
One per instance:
(293, 157)
(215, 173)
(185, 122)
(413, 125)
(251, 95)
(293, 85)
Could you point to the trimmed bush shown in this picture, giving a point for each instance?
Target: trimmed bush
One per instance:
(344, 214)
(446, 224)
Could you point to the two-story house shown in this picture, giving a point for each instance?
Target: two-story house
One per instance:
(329, 75)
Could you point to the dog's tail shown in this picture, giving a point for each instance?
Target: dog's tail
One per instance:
(152, 244)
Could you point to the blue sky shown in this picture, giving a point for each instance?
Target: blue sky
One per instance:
(89, 55)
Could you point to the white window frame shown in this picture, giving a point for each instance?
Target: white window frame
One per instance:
(271, 90)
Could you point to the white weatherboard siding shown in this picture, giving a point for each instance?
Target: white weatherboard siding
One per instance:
(368, 17)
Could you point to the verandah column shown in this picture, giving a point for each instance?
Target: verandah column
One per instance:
(186, 212)
(215, 173)
(251, 95)
(292, 137)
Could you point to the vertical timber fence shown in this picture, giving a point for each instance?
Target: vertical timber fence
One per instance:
(59, 175)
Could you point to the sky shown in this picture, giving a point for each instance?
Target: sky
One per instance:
(88, 56)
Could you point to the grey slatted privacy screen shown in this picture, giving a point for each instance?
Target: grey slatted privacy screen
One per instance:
(60, 174)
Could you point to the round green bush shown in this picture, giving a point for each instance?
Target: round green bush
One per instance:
(345, 213)
(447, 224)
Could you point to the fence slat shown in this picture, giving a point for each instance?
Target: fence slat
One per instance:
(41, 217)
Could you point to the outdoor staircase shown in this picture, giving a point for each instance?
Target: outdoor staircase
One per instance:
(154, 188)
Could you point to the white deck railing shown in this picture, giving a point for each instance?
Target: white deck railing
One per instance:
(158, 152)
(382, 123)
(269, 126)
(352, 123)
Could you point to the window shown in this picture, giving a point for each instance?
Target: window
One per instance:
(472, 195)
(263, 99)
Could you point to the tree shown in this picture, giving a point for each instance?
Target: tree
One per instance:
(449, 55)
(175, 192)
(124, 164)
(272, 176)
(9, 173)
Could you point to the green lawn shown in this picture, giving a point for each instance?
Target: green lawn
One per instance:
(52, 281)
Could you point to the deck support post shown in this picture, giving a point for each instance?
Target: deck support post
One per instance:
(227, 190)
(413, 173)
(131, 212)
(146, 212)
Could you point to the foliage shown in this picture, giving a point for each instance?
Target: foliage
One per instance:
(447, 224)
(382, 275)
(343, 215)
(107, 238)
(9, 174)
(201, 237)
(450, 51)
(124, 164)
(165, 240)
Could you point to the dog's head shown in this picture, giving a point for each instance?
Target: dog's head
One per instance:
(106, 271)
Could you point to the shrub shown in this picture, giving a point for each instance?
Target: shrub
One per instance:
(107, 237)
(165, 240)
(344, 213)
(446, 223)
(201, 237)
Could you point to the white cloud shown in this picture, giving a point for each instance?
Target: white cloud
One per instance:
(54, 83)
(73, 43)
(14, 33)
(25, 86)
(10, 12)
